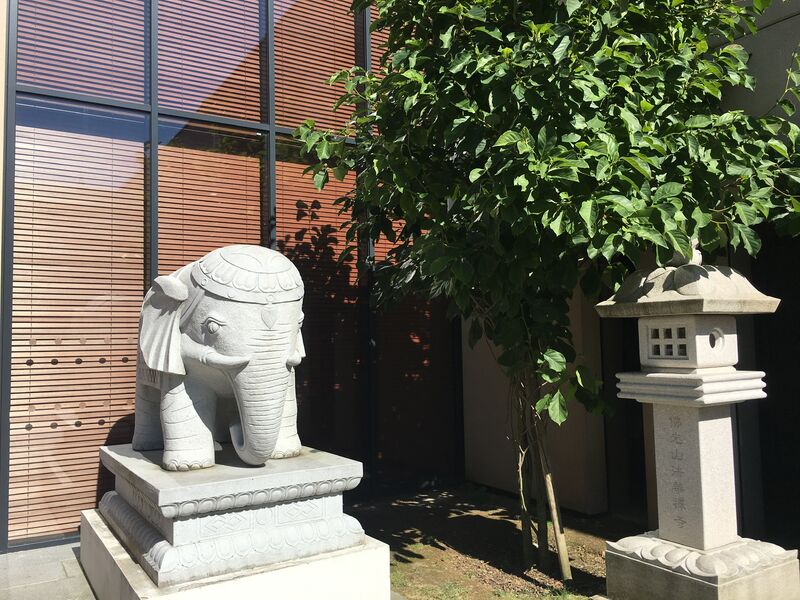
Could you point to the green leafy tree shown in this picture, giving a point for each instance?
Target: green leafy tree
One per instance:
(513, 150)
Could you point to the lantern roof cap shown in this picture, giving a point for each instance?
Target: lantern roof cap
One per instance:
(687, 289)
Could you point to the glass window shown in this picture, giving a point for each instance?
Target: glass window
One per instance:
(209, 57)
(210, 188)
(309, 233)
(78, 285)
(312, 41)
(87, 46)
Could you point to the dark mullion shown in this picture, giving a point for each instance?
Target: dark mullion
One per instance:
(86, 98)
(210, 118)
(268, 101)
(8, 269)
(366, 316)
(152, 222)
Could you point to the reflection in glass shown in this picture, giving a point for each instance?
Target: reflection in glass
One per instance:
(78, 285)
(310, 45)
(87, 46)
(210, 190)
(210, 57)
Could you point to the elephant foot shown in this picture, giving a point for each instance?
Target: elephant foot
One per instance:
(287, 448)
(185, 461)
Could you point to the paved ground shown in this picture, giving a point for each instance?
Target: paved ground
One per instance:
(43, 574)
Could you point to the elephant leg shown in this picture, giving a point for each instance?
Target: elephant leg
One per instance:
(288, 444)
(187, 417)
(147, 433)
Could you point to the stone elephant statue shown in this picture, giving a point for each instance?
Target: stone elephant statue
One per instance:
(218, 343)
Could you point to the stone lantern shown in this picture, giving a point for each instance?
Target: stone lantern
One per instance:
(688, 349)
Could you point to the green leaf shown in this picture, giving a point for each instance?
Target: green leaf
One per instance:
(447, 37)
(589, 213)
(698, 122)
(557, 408)
(668, 190)
(779, 147)
(787, 107)
(475, 174)
(320, 178)
(639, 165)
(749, 238)
(555, 360)
(631, 122)
(340, 171)
(477, 13)
(507, 138)
(737, 51)
(561, 50)
(572, 6)
(680, 243)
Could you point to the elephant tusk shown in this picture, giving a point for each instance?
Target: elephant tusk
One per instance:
(221, 361)
(209, 356)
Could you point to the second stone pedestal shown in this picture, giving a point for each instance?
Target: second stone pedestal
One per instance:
(187, 526)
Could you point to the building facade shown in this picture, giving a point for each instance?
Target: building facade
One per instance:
(139, 135)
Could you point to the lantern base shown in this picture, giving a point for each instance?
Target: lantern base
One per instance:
(646, 566)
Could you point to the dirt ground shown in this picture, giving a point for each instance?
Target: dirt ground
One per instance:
(464, 543)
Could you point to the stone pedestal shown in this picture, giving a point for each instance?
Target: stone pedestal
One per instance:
(187, 530)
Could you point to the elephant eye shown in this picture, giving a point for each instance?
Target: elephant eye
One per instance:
(212, 325)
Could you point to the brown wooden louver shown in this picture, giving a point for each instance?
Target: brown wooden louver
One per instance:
(78, 279)
(205, 200)
(87, 46)
(208, 57)
(313, 40)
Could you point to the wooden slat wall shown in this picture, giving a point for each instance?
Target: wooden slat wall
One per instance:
(308, 233)
(87, 46)
(78, 285)
(313, 40)
(208, 57)
(205, 200)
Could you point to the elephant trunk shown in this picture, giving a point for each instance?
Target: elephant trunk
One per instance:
(260, 389)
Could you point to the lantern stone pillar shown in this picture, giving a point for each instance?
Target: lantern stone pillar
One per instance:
(688, 352)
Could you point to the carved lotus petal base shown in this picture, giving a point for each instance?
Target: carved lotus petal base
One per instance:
(646, 566)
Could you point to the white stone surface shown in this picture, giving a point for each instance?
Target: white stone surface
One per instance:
(358, 573)
(647, 567)
(695, 474)
(685, 290)
(185, 526)
(218, 343)
(231, 484)
(688, 342)
(692, 388)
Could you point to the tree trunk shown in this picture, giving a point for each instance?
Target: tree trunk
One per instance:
(526, 459)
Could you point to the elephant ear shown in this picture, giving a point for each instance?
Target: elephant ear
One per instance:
(159, 325)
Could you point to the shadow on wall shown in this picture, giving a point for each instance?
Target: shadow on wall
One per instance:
(121, 433)
(396, 409)
(419, 418)
(327, 383)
